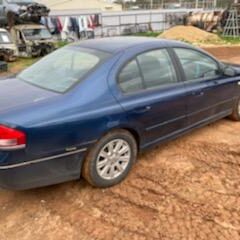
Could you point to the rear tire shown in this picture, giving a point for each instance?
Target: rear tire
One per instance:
(111, 159)
(235, 116)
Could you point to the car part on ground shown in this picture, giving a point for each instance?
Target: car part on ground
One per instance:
(19, 12)
(32, 40)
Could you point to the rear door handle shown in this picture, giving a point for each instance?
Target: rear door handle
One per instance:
(143, 109)
(216, 82)
(198, 93)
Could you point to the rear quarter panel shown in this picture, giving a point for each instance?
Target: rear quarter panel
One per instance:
(75, 119)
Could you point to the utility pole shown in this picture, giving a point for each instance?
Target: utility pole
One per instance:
(151, 4)
(196, 4)
(215, 4)
(123, 4)
(163, 3)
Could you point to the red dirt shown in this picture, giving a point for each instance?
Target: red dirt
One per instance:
(230, 53)
(186, 189)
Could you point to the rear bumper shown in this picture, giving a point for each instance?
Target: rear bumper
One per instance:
(42, 172)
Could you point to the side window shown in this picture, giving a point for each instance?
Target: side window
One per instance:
(129, 79)
(197, 65)
(157, 68)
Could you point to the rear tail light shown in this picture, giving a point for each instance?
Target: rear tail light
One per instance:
(11, 138)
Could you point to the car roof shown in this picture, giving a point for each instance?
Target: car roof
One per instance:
(117, 44)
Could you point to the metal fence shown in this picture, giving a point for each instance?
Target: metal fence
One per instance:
(129, 22)
(142, 21)
(163, 4)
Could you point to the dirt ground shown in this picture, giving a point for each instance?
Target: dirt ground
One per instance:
(186, 189)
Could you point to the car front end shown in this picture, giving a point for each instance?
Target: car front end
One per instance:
(37, 40)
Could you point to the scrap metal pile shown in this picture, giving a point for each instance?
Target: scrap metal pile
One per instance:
(210, 21)
(21, 12)
(22, 18)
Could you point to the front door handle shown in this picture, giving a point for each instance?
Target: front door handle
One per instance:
(143, 109)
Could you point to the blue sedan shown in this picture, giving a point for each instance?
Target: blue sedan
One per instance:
(89, 108)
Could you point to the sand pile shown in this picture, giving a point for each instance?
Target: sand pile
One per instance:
(189, 34)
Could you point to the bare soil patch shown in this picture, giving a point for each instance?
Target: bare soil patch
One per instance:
(189, 34)
(229, 54)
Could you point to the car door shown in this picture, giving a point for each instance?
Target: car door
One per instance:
(209, 92)
(152, 95)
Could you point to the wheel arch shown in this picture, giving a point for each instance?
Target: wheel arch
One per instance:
(133, 131)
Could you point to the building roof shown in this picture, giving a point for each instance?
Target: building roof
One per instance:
(66, 5)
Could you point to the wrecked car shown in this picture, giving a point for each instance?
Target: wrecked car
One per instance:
(8, 50)
(21, 11)
(32, 40)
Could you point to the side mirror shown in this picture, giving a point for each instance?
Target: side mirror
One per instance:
(229, 71)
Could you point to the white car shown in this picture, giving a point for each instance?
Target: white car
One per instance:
(8, 49)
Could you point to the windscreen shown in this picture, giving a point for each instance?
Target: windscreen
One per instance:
(5, 38)
(62, 69)
(36, 34)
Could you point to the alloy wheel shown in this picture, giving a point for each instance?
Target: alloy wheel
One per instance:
(113, 159)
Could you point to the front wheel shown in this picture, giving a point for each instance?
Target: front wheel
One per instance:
(111, 159)
(236, 111)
